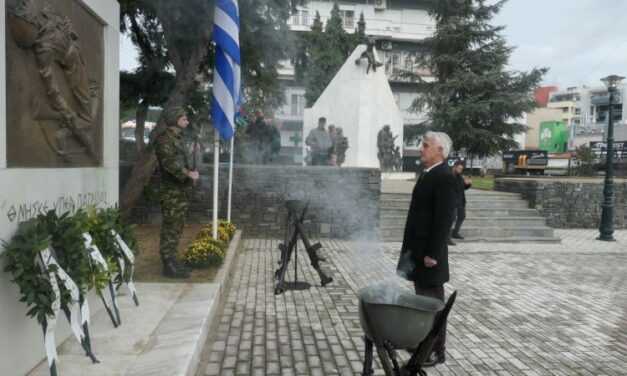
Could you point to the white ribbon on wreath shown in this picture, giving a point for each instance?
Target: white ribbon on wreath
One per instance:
(96, 257)
(130, 258)
(58, 276)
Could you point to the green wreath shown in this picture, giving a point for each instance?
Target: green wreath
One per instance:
(67, 240)
(100, 222)
(21, 256)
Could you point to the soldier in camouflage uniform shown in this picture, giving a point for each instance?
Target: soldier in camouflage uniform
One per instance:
(177, 179)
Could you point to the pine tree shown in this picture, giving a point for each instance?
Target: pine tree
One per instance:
(473, 97)
(322, 53)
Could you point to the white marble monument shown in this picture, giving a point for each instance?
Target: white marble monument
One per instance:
(361, 104)
(26, 192)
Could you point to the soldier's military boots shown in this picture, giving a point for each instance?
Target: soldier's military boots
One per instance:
(173, 269)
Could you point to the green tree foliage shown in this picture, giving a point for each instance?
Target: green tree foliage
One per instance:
(176, 57)
(322, 52)
(473, 97)
(586, 159)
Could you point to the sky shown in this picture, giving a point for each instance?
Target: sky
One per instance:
(580, 41)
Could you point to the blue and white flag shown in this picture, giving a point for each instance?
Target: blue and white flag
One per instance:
(227, 72)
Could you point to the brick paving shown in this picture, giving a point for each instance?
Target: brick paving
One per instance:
(522, 309)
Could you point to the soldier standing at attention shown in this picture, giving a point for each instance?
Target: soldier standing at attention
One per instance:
(177, 179)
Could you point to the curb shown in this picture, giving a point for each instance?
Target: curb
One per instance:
(222, 279)
(180, 337)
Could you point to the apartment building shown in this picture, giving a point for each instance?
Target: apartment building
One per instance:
(587, 109)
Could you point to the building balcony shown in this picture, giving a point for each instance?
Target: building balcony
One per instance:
(604, 99)
(410, 25)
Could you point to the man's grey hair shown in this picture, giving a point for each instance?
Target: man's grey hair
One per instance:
(442, 139)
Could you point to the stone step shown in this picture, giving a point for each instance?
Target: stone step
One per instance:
(514, 239)
(469, 197)
(398, 237)
(519, 239)
(490, 231)
(388, 222)
(500, 212)
(483, 204)
(506, 232)
(470, 212)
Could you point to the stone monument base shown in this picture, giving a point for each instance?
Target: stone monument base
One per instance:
(398, 176)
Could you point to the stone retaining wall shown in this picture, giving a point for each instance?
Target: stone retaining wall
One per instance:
(568, 203)
(344, 202)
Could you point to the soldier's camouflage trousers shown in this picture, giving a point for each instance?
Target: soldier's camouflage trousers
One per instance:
(174, 203)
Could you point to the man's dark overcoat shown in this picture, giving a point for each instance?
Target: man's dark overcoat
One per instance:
(428, 228)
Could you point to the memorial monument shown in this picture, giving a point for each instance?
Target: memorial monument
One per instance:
(59, 116)
(360, 101)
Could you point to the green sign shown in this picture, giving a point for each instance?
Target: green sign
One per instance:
(553, 136)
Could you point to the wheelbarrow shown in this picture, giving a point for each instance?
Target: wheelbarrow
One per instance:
(395, 319)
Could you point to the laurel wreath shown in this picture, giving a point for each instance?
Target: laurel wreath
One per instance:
(21, 255)
(67, 240)
(100, 223)
(64, 234)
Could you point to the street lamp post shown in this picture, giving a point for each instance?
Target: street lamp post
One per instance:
(606, 228)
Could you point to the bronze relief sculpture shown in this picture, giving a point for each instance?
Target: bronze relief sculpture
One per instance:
(64, 108)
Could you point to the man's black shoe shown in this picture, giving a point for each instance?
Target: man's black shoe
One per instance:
(450, 242)
(434, 358)
(172, 270)
(457, 236)
(326, 280)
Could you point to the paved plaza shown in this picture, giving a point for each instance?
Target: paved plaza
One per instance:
(522, 309)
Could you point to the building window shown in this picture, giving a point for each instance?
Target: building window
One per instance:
(300, 18)
(577, 111)
(392, 64)
(565, 110)
(297, 104)
(348, 18)
(294, 105)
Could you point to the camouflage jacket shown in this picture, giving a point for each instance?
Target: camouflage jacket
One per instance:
(173, 158)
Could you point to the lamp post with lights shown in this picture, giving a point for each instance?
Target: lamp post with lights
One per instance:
(606, 228)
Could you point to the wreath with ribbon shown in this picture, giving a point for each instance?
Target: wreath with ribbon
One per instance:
(22, 261)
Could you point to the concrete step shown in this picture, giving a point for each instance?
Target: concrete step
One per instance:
(389, 222)
(489, 231)
(470, 213)
(407, 199)
(476, 205)
(505, 232)
(500, 212)
(500, 204)
(517, 239)
(469, 195)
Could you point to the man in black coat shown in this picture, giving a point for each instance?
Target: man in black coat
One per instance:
(424, 254)
(462, 183)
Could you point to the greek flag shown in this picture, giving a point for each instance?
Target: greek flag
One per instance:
(227, 73)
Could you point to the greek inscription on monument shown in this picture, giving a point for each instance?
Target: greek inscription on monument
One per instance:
(55, 72)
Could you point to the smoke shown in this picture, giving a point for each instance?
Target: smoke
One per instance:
(343, 202)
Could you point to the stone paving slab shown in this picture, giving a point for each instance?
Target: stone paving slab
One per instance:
(164, 336)
(119, 349)
(522, 310)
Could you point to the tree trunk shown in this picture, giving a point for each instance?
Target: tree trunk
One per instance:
(140, 126)
(147, 160)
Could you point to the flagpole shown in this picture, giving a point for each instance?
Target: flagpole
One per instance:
(216, 166)
(228, 213)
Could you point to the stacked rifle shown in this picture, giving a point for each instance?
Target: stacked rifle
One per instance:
(294, 231)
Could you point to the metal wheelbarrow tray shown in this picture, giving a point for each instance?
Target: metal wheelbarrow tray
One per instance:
(395, 319)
